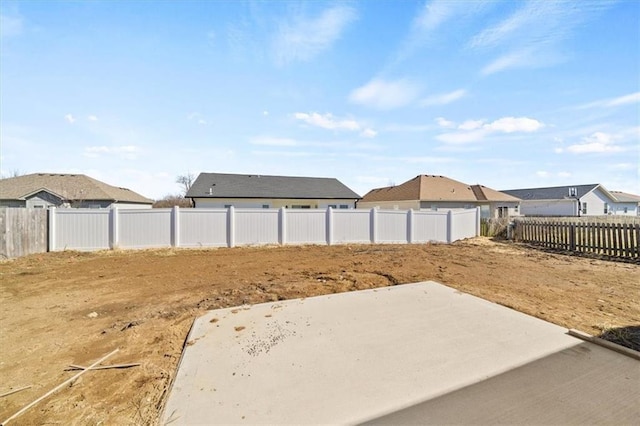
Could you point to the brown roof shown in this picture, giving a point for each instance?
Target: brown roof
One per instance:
(436, 188)
(625, 197)
(67, 186)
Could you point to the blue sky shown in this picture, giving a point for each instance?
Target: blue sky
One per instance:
(508, 94)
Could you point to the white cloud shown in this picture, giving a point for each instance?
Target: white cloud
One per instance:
(545, 174)
(631, 98)
(443, 98)
(515, 124)
(272, 141)
(197, 117)
(328, 121)
(129, 152)
(92, 118)
(265, 113)
(381, 94)
(471, 125)
(70, 119)
(443, 122)
(598, 142)
(516, 59)
(305, 38)
(10, 26)
(532, 33)
(476, 130)
(368, 133)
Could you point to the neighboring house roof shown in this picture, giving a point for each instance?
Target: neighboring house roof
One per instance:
(556, 192)
(68, 187)
(435, 188)
(625, 197)
(221, 185)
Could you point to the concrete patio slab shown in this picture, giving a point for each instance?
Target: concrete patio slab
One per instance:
(409, 354)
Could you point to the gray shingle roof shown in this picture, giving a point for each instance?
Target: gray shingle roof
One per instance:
(71, 187)
(551, 193)
(221, 185)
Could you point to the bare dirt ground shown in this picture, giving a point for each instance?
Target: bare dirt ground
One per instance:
(145, 302)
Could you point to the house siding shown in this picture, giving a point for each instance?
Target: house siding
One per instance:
(549, 207)
(389, 205)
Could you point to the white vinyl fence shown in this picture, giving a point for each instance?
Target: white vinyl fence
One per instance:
(87, 229)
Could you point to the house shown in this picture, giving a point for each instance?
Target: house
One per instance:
(628, 204)
(573, 200)
(43, 190)
(429, 192)
(220, 190)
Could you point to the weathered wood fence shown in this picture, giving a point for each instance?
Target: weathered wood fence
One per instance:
(22, 232)
(620, 240)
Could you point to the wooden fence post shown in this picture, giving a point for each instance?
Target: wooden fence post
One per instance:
(572, 236)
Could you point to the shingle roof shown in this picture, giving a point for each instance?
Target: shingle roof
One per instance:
(435, 188)
(625, 197)
(68, 186)
(551, 193)
(221, 185)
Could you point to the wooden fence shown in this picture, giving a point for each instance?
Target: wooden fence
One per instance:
(620, 240)
(22, 232)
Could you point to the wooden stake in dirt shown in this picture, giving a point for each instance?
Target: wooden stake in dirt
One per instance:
(100, 367)
(60, 386)
(11, 392)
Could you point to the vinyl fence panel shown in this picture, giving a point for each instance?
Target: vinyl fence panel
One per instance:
(463, 224)
(148, 228)
(79, 229)
(256, 226)
(350, 226)
(203, 227)
(430, 226)
(392, 226)
(305, 227)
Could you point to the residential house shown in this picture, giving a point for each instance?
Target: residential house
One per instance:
(43, 190)
(628, 204)
(429, 192)
(572, 200)
(220, 190)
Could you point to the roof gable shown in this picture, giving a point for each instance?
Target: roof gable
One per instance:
(436, 188)
(221, 185)
(69, 187)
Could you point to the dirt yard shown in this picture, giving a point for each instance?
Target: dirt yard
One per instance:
(68, 308)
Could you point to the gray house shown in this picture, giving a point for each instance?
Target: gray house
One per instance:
(220, 190)
(43, 190)
(572, 200)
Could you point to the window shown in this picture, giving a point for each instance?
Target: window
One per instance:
(226, 206)
(344, 206)
(265, 206)
(584, 208)
(299, 206)
(626, 210)
(333, 206)
(606, 208)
